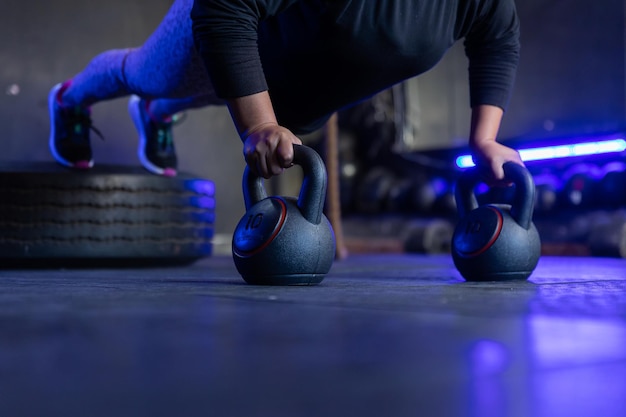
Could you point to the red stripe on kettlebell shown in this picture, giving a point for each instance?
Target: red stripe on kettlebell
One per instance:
(279, 226)
(494, 237)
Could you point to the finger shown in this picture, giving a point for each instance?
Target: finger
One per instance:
(284, 153)
(260, 166)
(273, 167)
(270, 157)
(251, 157)
(497, 170)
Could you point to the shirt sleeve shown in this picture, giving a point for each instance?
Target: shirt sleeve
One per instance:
(492, 47)
(225, 33)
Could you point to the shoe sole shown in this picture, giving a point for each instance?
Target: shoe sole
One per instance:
(134, 109)
(51, 107)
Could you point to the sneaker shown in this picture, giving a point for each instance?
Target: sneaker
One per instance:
(156, 144)
(69, 133)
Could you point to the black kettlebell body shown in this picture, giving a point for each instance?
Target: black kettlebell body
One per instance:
(496, 242)
(283, 240)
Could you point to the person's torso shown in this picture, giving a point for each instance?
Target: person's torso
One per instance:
(330, 54)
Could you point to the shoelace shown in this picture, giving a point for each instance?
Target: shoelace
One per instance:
(80, 122)
(165, 139)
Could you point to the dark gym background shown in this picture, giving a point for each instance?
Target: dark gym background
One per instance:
(385, 335)
(571, 81)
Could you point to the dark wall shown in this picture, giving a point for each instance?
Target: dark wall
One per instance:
(572, 76)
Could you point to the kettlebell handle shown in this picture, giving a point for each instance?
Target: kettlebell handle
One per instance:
(312, 192)
(523, 202)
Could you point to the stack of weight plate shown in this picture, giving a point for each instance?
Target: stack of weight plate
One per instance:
(107, 216)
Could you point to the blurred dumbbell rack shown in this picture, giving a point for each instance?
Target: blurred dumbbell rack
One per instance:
(404, 203)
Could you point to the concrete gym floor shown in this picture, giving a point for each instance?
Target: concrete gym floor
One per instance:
(383, 335)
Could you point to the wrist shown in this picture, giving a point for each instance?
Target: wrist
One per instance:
(245, 134)
(251, 113)
(477, 143)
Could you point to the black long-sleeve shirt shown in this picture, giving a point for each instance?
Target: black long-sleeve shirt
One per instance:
(318, 56)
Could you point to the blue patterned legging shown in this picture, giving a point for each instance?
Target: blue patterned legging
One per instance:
(166, 66)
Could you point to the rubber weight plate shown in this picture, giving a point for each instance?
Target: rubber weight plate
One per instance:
(108, 216)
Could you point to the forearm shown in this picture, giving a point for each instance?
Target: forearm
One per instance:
(251, 112)
(486, 151)
(486, 120)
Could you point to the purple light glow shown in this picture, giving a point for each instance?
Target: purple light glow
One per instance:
(560, 151)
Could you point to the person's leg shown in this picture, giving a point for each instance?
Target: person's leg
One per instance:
(69, 106)
(154, 120)
(153, 112)
(165, 66)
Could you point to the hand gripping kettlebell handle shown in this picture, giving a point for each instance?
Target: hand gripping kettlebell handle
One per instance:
(312, 192)
(523, 202)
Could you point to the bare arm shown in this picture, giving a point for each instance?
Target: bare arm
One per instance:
(268, 147)
(488, 153)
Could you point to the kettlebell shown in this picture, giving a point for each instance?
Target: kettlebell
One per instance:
(282, 240)
(496, 242)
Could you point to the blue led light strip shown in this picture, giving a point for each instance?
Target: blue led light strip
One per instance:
(560, 151)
